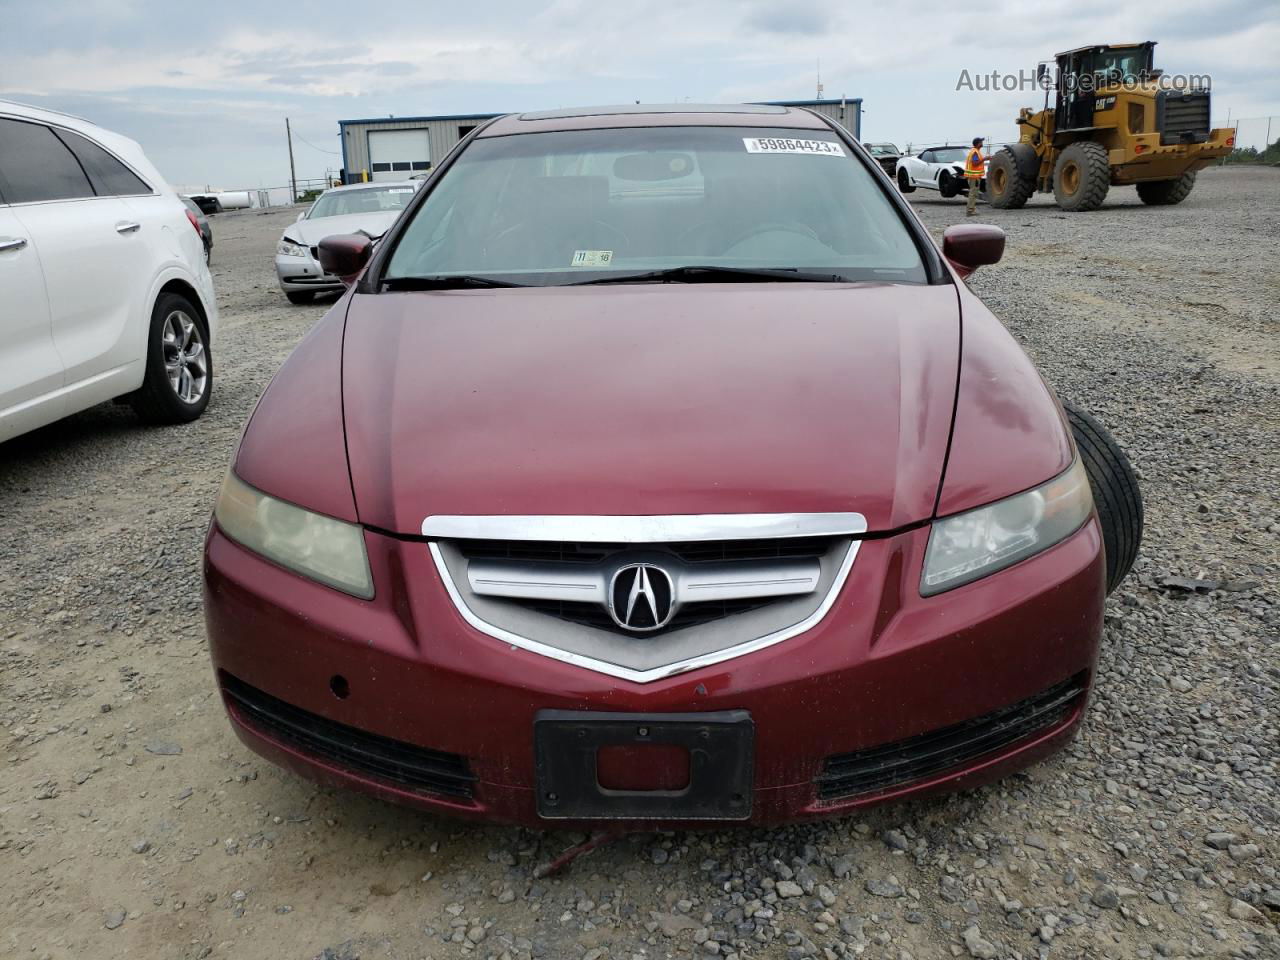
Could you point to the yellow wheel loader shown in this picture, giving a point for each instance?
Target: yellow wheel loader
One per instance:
(1114, 121)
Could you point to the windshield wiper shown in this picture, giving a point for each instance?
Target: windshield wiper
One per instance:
(714, 274)
(444, 282)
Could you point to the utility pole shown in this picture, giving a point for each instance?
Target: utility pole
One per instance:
(293, 177)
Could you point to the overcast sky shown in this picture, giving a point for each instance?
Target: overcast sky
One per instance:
(206, 87)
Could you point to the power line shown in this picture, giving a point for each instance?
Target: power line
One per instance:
(335, 153)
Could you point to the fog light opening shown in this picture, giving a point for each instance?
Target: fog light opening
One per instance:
(339, 687)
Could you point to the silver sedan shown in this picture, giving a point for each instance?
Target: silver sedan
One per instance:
(368, 207)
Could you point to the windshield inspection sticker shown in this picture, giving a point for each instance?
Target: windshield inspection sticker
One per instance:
(591, 258)
(818, 148)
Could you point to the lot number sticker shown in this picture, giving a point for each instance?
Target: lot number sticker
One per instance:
(817, 148)
(591, 258)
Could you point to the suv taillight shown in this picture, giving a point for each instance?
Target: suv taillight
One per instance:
(195, 223)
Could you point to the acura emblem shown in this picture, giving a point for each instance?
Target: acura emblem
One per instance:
(641, 597)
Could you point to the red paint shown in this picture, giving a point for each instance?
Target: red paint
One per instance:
(418, 673)
(344, 255)
(1009, 431)
(293, 447)
(970, 246)
(654, 399)
(898, 402)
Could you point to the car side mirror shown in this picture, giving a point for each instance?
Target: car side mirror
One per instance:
(344, 255)
(970, 246)
(300, 216)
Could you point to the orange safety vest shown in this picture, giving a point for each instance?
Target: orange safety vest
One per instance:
(973, 168)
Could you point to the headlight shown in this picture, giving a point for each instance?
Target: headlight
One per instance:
(288, 248)
(322, 548)
(972, 545)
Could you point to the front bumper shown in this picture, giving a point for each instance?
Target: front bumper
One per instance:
(418, 689)
(304, 273)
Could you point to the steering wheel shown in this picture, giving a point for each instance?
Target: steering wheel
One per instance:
(769, 227)
(775, 226)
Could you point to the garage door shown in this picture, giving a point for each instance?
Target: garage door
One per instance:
(398, 154)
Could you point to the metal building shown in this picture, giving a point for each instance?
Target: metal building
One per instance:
(396, 148)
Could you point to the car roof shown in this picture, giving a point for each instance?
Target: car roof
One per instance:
(375, 185)
(656, 115)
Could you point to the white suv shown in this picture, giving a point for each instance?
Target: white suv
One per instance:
(104, 292)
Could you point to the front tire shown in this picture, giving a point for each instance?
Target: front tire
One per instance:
(1082, 177)
(1011, 176)
(1115, 493)
(179, 376)
(947, 185)
(1164, 193)
(904, 182)
(299, 297)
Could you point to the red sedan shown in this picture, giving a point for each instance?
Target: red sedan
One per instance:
(657, 467)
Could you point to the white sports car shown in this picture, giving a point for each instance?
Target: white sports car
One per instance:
(937, 168)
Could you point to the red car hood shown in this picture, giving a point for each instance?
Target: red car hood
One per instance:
(652, 399)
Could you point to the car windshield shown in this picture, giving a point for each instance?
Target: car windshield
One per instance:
(338, 203)
(882, 149)
(950, 154)
(598, 205)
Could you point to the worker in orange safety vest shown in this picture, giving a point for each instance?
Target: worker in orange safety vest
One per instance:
(974, 171)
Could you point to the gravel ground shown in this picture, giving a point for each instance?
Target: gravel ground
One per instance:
(132, 823)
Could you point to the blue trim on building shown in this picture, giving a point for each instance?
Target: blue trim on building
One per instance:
(442, 118)
(809, 103)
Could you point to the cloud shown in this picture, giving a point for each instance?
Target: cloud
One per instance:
(798, 19)
(208, 94)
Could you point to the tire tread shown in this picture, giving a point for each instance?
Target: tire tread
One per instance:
(1115, 492)
(1096, 173)
(154, 402)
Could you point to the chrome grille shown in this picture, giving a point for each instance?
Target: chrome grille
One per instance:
(710, 580)
(696, 551)
(644, 597)
(593, 615)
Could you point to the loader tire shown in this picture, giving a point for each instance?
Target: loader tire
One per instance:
(1115, 492)
(1163, 193)
(1011, 176)
(1082, 177)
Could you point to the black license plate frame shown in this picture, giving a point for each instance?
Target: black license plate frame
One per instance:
(721, 747)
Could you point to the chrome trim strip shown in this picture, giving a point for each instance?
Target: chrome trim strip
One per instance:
(658, 673)
(691, 583)
(676, 528)
(523, 581)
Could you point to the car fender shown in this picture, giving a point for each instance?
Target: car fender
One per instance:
(202, 286)
(1009, 433)
(166, 273)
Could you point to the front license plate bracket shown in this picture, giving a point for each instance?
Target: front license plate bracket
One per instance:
(721, 747)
